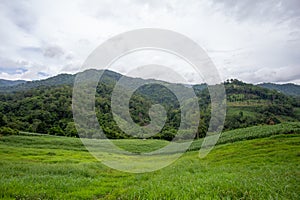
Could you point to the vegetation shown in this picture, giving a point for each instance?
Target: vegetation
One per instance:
(253, 132)
(35, 166)
(45, 107)
(289, 88)
(256, 156)
(8, 83)
(8, 131)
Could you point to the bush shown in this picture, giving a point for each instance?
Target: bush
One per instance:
(168, 135)
(56, 130)
(8, 131)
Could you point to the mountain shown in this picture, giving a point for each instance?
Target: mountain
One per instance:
(7, 83)
(288, 89)
(45, 106)
(68, 79)
(61, 79)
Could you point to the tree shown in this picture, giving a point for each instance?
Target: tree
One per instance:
(56, 130)
(8, 131)
(70, 130)
(41, 128)
(3, 120)
(168, 135)
(202, 129)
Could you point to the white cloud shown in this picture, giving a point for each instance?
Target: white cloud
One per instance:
(244, 38)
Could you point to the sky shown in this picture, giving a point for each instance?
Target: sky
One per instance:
(251, 40)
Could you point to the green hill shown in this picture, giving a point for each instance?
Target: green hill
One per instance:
(59, 80)
(45, 106)
(48, 167)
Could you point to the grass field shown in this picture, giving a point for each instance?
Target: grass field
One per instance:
(253, 163)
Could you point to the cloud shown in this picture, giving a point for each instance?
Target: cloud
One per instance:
(279, 75)
(19, 13)
(43, 74)
(21, 69)
(276, 11)
(244, 38)
(53, 51)
(13, 71)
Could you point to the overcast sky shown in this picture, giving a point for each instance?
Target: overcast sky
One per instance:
(255, 41)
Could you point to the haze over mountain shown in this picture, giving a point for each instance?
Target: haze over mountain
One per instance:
(5, 83)
(61, 79)
(289, 88)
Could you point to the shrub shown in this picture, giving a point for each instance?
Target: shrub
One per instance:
(56, 130)
(8, 131)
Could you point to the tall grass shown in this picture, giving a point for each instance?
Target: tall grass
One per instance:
(266, 167)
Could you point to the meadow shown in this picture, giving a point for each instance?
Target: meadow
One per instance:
(260, 162)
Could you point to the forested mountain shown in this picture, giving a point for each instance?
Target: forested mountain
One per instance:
(289, 88)
(7, 83)
(62, 79)
(45, 106)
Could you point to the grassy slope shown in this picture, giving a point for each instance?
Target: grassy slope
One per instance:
(44, 167)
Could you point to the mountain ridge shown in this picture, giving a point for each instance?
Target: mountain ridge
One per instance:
(5, 82)
(290, 89)
(7, 86)
(46, 106)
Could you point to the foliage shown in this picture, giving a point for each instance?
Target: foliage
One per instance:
(7, 83)
(45, 107)
(289, 88)
(8, 131)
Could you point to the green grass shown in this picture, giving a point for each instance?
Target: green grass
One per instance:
(265, 167)
(248, 103)
(254, 132)
(138, 146)
(247, 111)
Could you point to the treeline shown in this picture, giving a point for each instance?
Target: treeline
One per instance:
(48, 109)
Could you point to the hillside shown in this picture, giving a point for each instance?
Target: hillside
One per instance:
(264, 165)
(45, 106)
(288, 89)
(8, 83)
(68, 79)
(247, 103)
(62, 79)
(59, 80)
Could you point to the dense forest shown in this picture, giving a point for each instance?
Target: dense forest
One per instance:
(46, 107)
